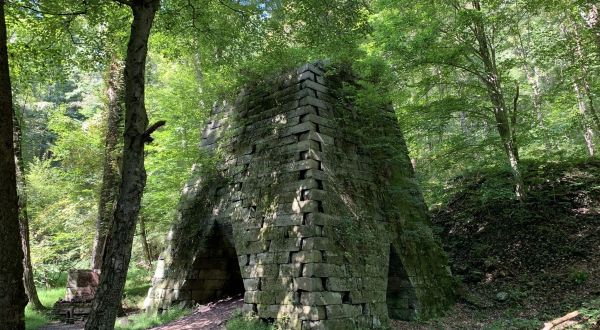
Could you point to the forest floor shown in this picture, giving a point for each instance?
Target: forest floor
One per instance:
(523, 264)
(212, 316)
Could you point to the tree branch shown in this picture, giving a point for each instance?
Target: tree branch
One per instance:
(146, 136)
(44, 12)
(239, 11)
(124, 2)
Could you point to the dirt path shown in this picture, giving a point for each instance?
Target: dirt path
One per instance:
(211, 316)
(207, 317)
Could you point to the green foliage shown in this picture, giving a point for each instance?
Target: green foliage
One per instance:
(62, 190)
(578, 276)
(515, 324)
(146, 321)
(48, 296)
(240, 321)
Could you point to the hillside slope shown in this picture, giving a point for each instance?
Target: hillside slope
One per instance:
(522, 264)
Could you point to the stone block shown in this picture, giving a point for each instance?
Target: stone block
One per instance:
(307, 256)
(320, 298)
(252, 284)
(343, 311)
(253, 247)
(285, 244)
(301, 165)
(311, 312)
(314, 86)
(305, 231)
(323, 270)
(259, 271)
(316, 243)
(274, 311)
(308, 284)
(321, 138)
(297, 129)
(281, 283)
(342, 283)
(311, 100)
(293, 269)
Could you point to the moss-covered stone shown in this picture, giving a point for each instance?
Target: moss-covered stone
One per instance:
(311, 208)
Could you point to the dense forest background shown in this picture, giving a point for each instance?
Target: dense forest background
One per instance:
(478, 86)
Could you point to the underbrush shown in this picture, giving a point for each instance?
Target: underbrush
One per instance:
(136, 288)
(525, 263)
(36, 319)
(145, 321)
(241, 322)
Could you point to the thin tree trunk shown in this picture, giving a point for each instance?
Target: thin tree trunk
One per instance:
(588, 133)
(504, 122)
(583, 78)
(28, 281)
(110, 175)
(12, 291)
(145, 243)
(592, 20)
(583, 92)
(534, 80)
(118, 246)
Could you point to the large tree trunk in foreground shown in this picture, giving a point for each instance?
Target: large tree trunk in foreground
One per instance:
(110, 176)
(28, 281)
(505, 119)
(12, 292)
(118, 246)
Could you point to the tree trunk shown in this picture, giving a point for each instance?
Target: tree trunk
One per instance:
(588, 133)
(145, 243)
(583, 78)
(502, 114)
(12, 292)
(118, 245)
(110, 175)
(28, 281)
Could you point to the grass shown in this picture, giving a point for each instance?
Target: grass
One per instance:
(145, 321)
(240, 322)
(136, 288)
(36, 319)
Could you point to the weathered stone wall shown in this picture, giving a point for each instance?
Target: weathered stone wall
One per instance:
(305, 214)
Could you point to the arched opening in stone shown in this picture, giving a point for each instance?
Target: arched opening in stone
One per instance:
(401, 296)
(216, 272)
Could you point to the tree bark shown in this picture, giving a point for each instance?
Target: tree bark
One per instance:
(110, 175)
(502, 114)
(118, 245)
(12, 291)
(28, 281)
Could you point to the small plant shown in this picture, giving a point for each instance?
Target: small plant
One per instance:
(578, 276)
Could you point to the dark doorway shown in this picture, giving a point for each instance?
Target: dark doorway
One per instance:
(216, 272)
(401, 297)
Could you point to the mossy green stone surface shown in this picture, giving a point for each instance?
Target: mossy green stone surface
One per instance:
(313, 212)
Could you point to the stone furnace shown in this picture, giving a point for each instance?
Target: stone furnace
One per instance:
(310, 209)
